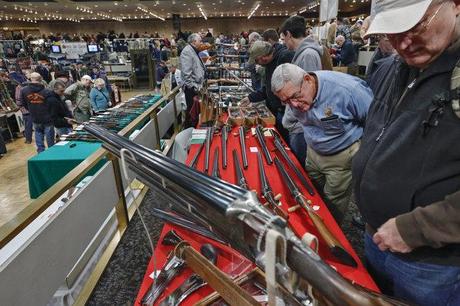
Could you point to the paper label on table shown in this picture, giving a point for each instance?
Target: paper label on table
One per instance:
(198, 136)
(253, 149)
(61, 143)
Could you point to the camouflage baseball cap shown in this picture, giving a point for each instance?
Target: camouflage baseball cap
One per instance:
(259, 48)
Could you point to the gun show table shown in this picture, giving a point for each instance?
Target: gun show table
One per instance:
(48, 167)
(299, 221)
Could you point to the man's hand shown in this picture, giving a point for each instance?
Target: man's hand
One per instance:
(70, 121)
(388, 238)
(244, 102)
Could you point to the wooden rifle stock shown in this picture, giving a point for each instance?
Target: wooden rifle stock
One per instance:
(219, 281)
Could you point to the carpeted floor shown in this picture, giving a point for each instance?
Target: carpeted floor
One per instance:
(122, 278)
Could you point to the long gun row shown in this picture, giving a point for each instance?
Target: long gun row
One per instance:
(235, 214)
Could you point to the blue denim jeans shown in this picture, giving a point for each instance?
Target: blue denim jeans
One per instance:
(43, 131)
(421, 283)
(298, 147)
(28, 127)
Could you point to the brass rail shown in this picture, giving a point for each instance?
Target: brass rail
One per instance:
(13, 227)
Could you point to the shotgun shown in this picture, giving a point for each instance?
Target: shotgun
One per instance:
(263, 144)
(240, 179)
(302, 178)
(334, 245)
(244, 155)
(267, 191)
(237, 215)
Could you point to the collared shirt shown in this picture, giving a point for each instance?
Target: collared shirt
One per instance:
(336, 118)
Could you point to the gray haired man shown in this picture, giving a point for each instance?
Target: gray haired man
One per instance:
(332, 108)
(193, 74)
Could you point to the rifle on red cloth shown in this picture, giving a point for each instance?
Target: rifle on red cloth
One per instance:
(237, 215)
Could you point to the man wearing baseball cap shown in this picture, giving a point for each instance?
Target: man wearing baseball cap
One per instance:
(78, 93)
(407, 171)
(270, 56)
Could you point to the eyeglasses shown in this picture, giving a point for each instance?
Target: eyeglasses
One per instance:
(419, 28)
(295, 96)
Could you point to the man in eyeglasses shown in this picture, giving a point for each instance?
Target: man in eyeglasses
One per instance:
(407, 171)
(331, 108)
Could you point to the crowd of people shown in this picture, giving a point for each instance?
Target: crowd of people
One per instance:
(50, 108)
(390, 138)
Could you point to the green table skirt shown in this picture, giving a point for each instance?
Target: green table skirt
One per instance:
(48, 167)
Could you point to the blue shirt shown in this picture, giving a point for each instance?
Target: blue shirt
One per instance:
(336, 118)
(99, 99)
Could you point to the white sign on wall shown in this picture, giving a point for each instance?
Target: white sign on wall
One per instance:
(73, 50)
(328, 9)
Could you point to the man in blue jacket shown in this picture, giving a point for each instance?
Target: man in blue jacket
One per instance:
(332, 108)
(346, 55)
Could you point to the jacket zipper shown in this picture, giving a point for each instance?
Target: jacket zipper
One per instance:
(392, 110)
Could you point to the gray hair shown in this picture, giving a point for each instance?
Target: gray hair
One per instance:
(99, 81)
(286, 73)
(193, 37)
(340, 37)
(254, 36)
(58, 85)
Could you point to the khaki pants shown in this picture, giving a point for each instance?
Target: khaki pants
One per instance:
(332, 175)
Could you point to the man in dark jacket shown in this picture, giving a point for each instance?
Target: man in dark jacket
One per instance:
(34, 97)
(62, 117)
(407, 171)
(307, 56)
(263, 53)
(346, 54)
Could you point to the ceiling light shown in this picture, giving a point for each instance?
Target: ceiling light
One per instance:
(254, 10)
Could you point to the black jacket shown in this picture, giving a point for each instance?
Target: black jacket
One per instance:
(34, 98)
(410, 159)
(59, 110)
(347, 53)
(281, 55)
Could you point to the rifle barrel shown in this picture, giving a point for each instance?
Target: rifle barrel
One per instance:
(267, 191)
(280, 147)
(244, 155)
(334, 245)
(215, 164)
(240, 179)
(263, 144)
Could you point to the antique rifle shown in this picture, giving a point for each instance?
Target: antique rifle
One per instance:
(215, 164)
(244, 155)
(267, 191)
(263, 144)
(237, 215)
(224, 145)
(302, 178)
(240, 179)
(334, 245)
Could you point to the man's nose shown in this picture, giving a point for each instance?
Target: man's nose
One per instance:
(404, 42)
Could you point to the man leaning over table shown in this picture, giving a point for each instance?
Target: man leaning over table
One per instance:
(332, 108)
